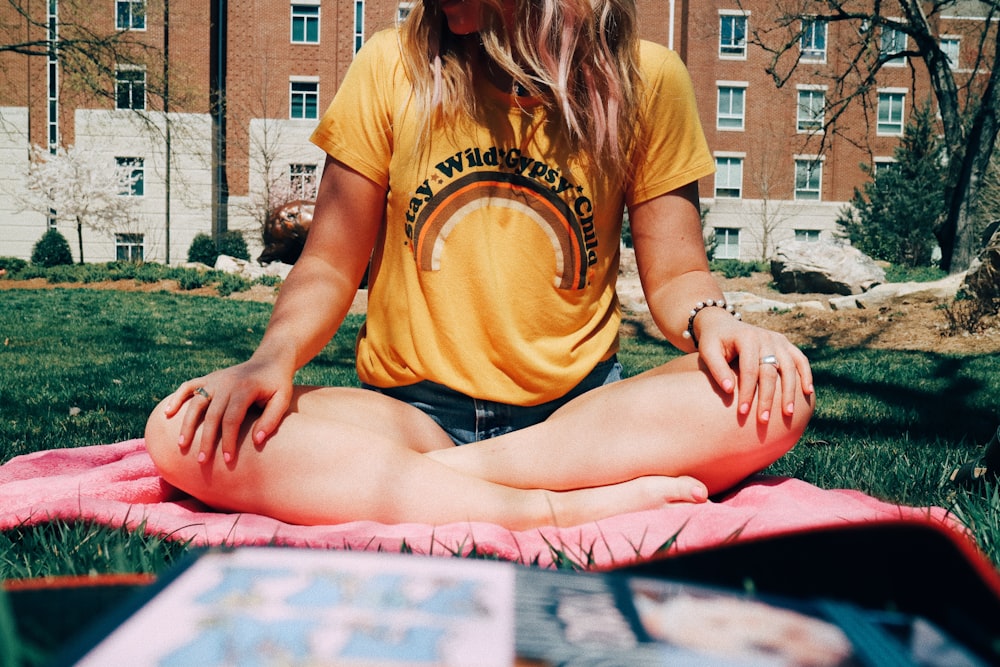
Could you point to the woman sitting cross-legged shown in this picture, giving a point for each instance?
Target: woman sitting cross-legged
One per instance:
(481, 157)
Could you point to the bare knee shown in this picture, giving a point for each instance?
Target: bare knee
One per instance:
(162, 435)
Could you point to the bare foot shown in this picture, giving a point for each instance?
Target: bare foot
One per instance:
(571, 508)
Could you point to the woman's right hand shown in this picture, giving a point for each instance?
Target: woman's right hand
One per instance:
(219, 404)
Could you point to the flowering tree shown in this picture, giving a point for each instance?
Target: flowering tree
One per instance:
(77, 186)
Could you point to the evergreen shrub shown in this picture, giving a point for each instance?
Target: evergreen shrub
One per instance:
(203, 250)
(233, 244)
(51, 250)
(12, 265)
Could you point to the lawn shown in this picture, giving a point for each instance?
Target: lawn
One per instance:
(81, 367)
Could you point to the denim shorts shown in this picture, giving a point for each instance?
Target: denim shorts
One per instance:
(466, 419)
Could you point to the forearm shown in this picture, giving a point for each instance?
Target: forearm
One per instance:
(670, 304)
(311, 305)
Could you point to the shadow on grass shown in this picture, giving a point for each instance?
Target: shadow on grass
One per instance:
(863, 392)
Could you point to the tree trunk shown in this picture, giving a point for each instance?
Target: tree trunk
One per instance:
(79, 236)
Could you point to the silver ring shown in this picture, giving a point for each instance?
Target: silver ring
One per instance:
(201, 391)
(770, 360)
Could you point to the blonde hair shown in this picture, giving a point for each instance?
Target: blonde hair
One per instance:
(580, 56)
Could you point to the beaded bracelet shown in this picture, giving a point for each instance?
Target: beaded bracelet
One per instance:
(700, 306)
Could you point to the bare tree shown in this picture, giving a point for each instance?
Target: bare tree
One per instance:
(88, 51)
(75, 186)
(967, 100)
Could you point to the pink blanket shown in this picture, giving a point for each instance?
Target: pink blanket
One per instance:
(117, 485)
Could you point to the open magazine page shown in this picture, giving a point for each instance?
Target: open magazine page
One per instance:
(272, 606)
(290, 607)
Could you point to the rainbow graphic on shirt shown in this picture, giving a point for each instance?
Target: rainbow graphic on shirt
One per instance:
(531, 189)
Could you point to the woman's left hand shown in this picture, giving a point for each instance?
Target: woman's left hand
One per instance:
(767, 363)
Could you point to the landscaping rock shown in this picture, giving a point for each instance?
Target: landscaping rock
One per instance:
(824, 268)
(251, 270)
(982, 281)
(937, 290)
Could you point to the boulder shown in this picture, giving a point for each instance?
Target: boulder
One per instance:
(251, 270)
(936, 290)
(825, 268)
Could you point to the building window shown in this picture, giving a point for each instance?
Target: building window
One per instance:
(304, 99)
(403, 11)
(132, 169)
(807, 235)
(884, 165)
(129, 247)
(812, 42)
(811, 112)
(302, 181)
(728, 177)
(130, 88)
(130, 14)
(359, 24)
(732, 102)
(727, 243)
(892, 42)
(733, 36)
(951, 47)
(890, 113)
(808, 179)
(305, 24)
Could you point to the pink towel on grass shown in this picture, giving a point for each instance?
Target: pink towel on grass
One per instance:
(117, 485)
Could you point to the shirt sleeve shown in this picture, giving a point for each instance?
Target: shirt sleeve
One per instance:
(671, 150)
(356, 128)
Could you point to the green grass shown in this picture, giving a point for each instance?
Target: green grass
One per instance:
(81, 367)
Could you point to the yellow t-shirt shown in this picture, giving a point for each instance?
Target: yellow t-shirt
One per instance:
(495, 270)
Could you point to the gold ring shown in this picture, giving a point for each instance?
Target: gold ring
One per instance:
(201, 391)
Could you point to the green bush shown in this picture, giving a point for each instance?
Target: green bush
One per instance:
(233, 244)
(64, 273)
(191, 279)
(734, 268)
(203, 250)
(895, 273)
(51, 250)
(269, 280)
(12, 265)
(232, 282)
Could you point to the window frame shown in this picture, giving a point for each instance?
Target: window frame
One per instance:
(728, 167)
(727, 243)
(403, 10)
(131, 15)
(125, 78)
(296, 16)
(137, 167)
(736, 120)
(953, 54)
(807, 235)
(305, 96)
(808, 50)
(303, 180)
(806, 120)
(735, 49)
(885, 48)
(359, 24)
(129, 243)
(814, 165)
(890, 127)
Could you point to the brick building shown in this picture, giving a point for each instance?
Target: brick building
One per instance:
(208, 162)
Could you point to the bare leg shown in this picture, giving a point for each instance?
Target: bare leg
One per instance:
(343, 455)
(669, 421)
